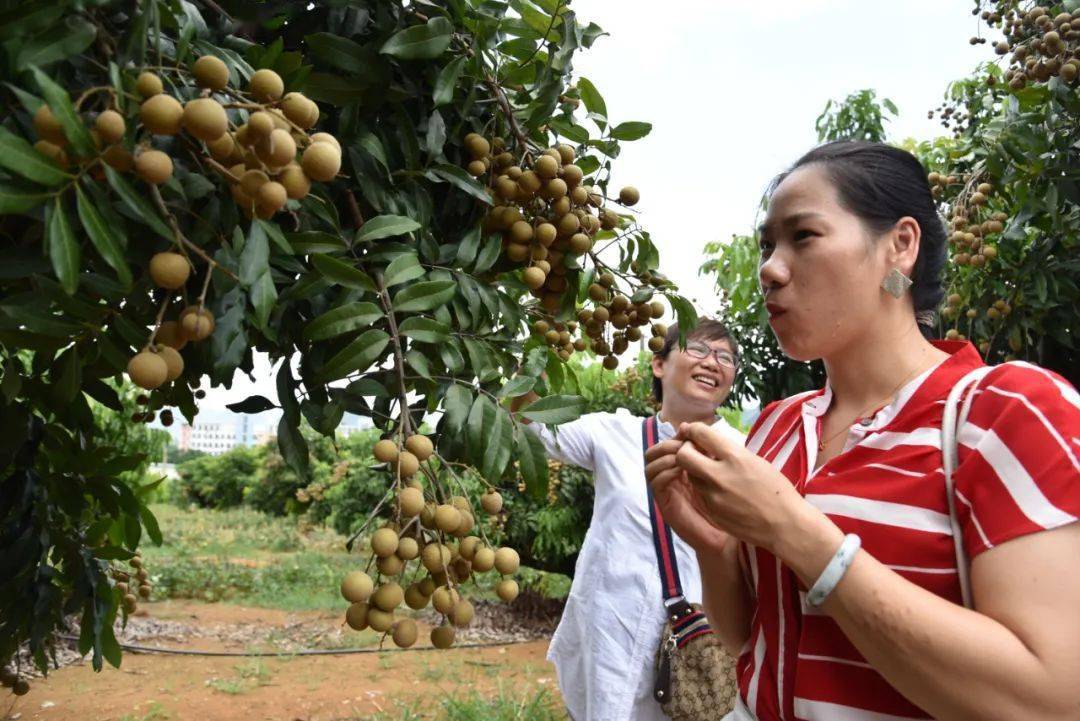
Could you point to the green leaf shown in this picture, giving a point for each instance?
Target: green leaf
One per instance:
(459, 178)
(642, 294)
(418, 362)
(314, 241)
(594, 101)
(456, 404)
(339, 52)
(358, 355)
(570, 131)
(466, 251)
(252, 404)
(255, 259)
(19, 157)
(685, 315)
(63, 248)
(500, 442)
(532, 462)
(436, 135)
(135, 201)
(107, 238)
(447, 81)
(341, 320)
(60, 103)
(488, 254)
(341, 273)
(632, 130)
(263, 294)
(403, 269)
(519, 385)
(478, 426)
(554, 409)
(294, 448)
(425, 330)
(14, 199)
(421, 42)
(63, 40)
(385, 226)
(424, 296)
(273, 232)
(151, 525)
(69, 378)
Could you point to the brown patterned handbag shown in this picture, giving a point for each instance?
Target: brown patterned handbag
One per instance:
(695, 676)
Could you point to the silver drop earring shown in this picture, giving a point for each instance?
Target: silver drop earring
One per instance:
(896, 283)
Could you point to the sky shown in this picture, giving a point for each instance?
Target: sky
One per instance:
(732, 90)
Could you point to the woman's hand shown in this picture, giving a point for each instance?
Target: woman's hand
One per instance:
(678, 501)
(744, 495)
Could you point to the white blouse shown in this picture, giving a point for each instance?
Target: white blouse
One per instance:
(605, 647)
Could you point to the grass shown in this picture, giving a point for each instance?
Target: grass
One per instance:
(247, 557)
(155, 713)
(249, 675)
(502, 706)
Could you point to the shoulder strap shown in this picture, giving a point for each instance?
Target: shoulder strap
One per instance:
(671, 585)
(952, 419)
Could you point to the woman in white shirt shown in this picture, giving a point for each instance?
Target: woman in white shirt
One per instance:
(605, 646)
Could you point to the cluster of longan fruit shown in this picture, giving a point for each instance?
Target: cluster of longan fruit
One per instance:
(160, 361)
(429, 539)
(1043, 45)
(970, 237)
(548, 218)
(132, 585)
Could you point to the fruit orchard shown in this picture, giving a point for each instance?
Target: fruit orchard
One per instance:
(405, 207)
(1007, 184)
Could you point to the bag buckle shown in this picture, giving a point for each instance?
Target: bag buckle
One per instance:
(679, 609)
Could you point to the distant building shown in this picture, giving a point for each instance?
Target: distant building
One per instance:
(211, 438)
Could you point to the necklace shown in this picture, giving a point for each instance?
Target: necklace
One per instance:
(846, 429)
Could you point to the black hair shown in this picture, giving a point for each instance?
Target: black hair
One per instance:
(882, 184)
(707, 329)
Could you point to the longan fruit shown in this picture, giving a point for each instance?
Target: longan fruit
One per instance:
(270, 198)
(546, 167)
(297, 108)
(491, 502)
(629, 195)
(198, 323)
(546, 233)
(568, 224)
(266, 85)
(326, 138)
(555, 188)
(321, 161)
(443, 636)
(507, 589)
(252, 180)
(507, 561)
(435, 556)
(162, 114)
(153, 166)
(462, 613)
(388, 596)
(415, 598)
(385, 451)
(404, 633)
(282, 148)
(566, 153)
(483, 560)
(444, 599)
(173, 360)
(222, 147)
(408, 548)
(357, 616)
(259, 126)
(521, 232)
(466, 525)
(467, 547)
(656, 344)
(384, 542)
(171, 334)
(420, 446)
(476, 168)
(169, 270)
(477, 146)
(119, 158)
(447, 518)
(410, 501)
(110, 125)
(530, 182)
(296, 183)
(52, 151)
(391, 565)
(48, 127)
(406, 464)
(380, 620)
(533, 277)
(21, 687)
(356, 586)
(572, 175)
(211, 72)
(147, 370)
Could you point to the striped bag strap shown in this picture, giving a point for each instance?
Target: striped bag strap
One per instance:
(687, 622)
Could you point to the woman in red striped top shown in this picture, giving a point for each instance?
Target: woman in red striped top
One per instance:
(891, 639)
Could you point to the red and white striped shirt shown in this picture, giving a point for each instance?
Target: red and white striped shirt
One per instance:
(1018, 473)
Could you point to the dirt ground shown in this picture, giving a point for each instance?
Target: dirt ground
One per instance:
(154, 687)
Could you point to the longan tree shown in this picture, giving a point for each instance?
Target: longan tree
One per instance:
(406, 207)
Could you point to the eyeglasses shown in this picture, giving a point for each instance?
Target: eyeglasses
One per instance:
(723, 357)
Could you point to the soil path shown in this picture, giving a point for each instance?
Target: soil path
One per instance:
(154, 687)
